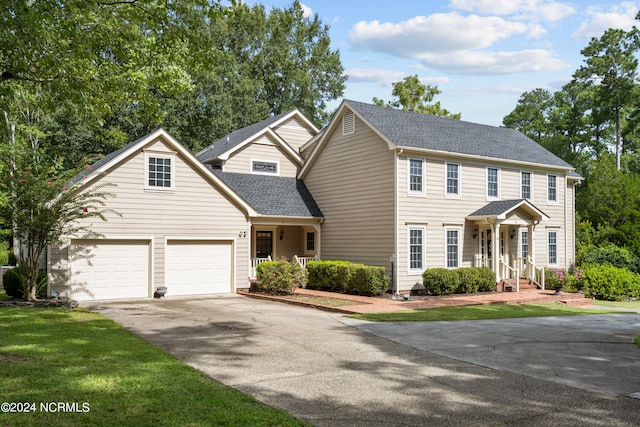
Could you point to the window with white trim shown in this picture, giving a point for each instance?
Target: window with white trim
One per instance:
(552, 188)
(453, 179)
(524, 239)
(525, 185)
(311, 241)
(453, 247)
(416, 249)
(159, 172)
(492, 183)
(416, 176)
(348, 123)
(552, 247)
(261, 167)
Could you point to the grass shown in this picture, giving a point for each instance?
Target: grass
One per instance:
(3, 296)
(73, 355)
(479, 312)
(624, 304)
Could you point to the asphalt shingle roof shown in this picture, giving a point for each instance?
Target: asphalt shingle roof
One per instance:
(236, 137)
(272, 195)
(421, 131)
(497, 207)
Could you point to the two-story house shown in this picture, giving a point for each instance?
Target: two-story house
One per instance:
(378, 186)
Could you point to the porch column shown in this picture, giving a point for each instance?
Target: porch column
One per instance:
(496, 251)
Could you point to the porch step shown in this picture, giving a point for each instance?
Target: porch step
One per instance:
(510, 285)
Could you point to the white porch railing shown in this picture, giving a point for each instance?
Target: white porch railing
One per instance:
(302, 260)
(535, 273)
(255, 261)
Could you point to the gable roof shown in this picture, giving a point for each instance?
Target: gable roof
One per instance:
(409, 130)
(111, 160)
(222, 148)
(272, 195)
(499, 209)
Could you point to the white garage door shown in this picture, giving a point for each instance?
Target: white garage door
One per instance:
(109, 269)
(198, 267)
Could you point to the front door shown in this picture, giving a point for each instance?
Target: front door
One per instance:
(264, 244)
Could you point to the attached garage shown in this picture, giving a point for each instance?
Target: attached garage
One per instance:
(109, 269)
(196, 267)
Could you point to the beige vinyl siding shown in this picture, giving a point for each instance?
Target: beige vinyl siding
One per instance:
(570, 225)
(352, 182)
(294, 133)
(262, 150)
(193, 209)
(437, 212)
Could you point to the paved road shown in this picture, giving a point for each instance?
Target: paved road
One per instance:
(333, 371)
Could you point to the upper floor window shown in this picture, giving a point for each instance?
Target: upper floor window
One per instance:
(552, 188)
(159, 172)
(416, 176)
(264, 168)
(492, 182)
(453, 178)
(525, 185)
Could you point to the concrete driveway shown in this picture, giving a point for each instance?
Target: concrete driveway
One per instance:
(334, 371)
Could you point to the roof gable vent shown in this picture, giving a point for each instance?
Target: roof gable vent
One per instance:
(348, 123)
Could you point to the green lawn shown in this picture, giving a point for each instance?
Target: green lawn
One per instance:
(624, 304)
(109, 377)
(479, 312)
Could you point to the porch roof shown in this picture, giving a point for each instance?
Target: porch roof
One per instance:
(272, 195)
(500, 209)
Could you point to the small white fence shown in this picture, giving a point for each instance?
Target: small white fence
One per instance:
(255, 261)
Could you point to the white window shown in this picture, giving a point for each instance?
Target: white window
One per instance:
(261, 167)
(416, 249)
(525, 185)
(159, 172)
(525, 243)
(453, 179)
(348, 123)
(552, 247)
(552, 188)
(416, 176)
(453, 247)
(492, 183)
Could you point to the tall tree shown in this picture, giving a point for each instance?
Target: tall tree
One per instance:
(611, 67)
(531, 114)
(412, 95)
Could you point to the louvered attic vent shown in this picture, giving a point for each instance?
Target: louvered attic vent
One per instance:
(348, 123)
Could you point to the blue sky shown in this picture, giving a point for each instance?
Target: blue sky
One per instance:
(482, 54)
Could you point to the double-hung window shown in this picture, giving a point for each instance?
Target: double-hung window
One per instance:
(453, 179)
(416, 176)
(552, 247)
(416, 249)
(159, 172)
(525, 185)
(552, 188)
(453, 247)
(525, 243)
(492, 183)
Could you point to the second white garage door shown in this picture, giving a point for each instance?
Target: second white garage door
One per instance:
(198, 267)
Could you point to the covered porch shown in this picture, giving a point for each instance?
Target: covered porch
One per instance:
(505, 235)
(289, 240)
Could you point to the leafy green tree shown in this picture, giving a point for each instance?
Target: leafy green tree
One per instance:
(412, 95)
(44, 205)
(611, 68)
(531, 114)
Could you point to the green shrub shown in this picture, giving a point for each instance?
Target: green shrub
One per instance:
(4, 257)
(440, 281)
(345, 277)
(469, 280)
(555, 278)
(486, 279)
(609, 283)
(279, 277)
(14, 284)
(611, 255)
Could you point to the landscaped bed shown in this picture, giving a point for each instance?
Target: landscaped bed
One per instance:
(70, 367)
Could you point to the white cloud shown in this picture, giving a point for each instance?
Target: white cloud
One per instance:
(536, 10)
(487, 63)
(621, 16)
(436, 33)
(373, 75)
(306, 10)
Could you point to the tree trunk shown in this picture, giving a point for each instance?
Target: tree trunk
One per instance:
(11, 128)
(618, 144)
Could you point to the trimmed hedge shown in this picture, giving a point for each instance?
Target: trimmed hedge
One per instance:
(609, 283)
(442, 281)
(279, 277)
(345, 277)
